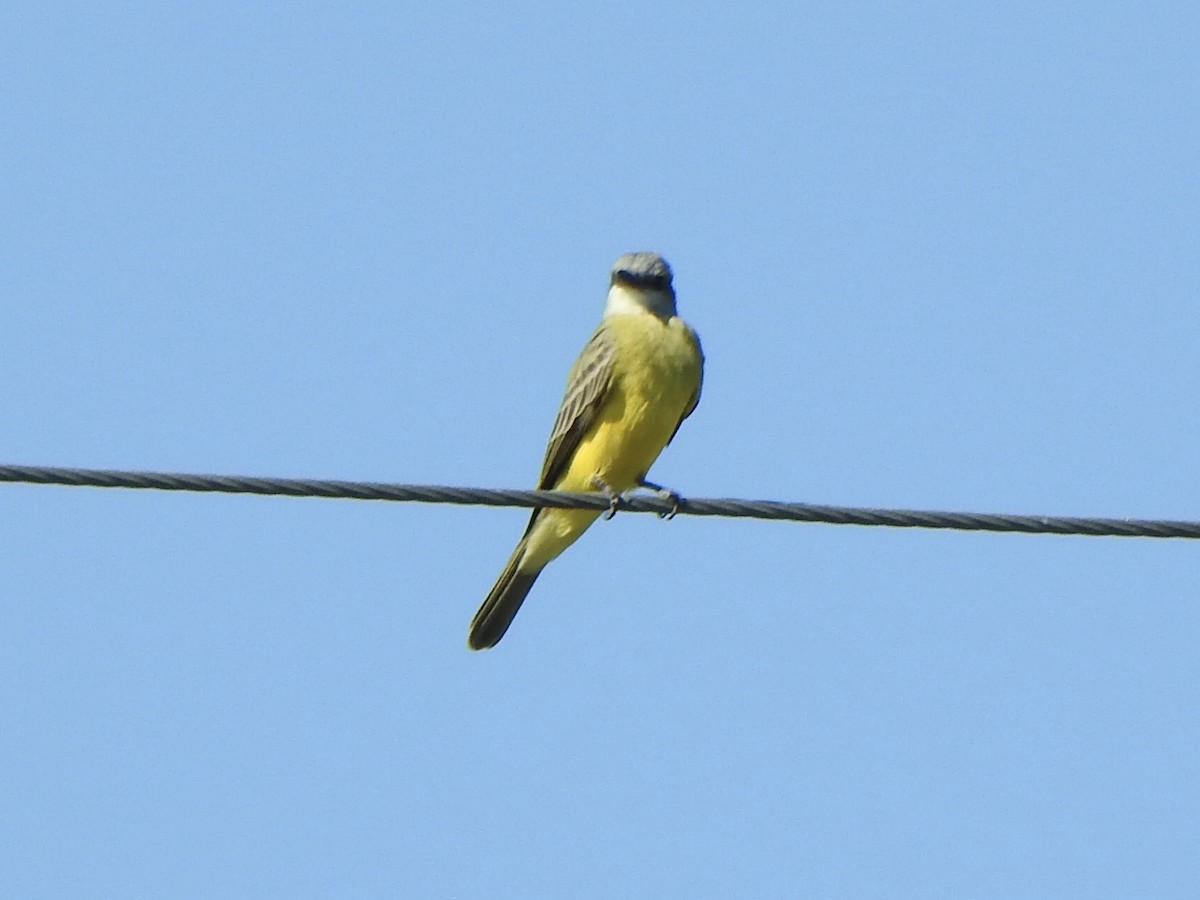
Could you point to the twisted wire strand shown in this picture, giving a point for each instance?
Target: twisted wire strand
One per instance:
(746, 509)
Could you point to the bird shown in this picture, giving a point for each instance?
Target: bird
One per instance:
(636, 380)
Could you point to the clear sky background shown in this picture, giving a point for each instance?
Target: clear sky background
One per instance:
(941, 255)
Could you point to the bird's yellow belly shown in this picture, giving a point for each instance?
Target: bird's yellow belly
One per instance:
(655, 376)
(630, 432)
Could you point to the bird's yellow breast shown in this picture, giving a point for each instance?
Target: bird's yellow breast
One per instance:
(656, 372)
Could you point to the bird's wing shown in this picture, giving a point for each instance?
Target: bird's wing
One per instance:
(587, 385)
(695, 400)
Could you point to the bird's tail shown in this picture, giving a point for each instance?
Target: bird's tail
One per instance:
(502, 603)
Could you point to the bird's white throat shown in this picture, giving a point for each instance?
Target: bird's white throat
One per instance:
(624, 300)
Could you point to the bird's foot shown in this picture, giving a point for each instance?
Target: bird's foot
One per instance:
(665, 494)
(615, 500)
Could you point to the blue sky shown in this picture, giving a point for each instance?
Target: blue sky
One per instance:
(940, 256)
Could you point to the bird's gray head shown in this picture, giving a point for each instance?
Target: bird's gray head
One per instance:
(642, 271)
(641, 283)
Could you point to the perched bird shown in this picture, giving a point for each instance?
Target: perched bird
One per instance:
(635, 382)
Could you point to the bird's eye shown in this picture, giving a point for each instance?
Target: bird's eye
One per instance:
(642, 279)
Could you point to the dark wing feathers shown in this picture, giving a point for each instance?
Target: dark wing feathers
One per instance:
(695, 401)
(587, 383)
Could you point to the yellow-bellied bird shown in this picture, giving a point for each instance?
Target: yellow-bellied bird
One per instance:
(634, 383)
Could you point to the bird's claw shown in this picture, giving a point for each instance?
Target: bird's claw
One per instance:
(615, 500)
(665, 494)
(676, 503)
